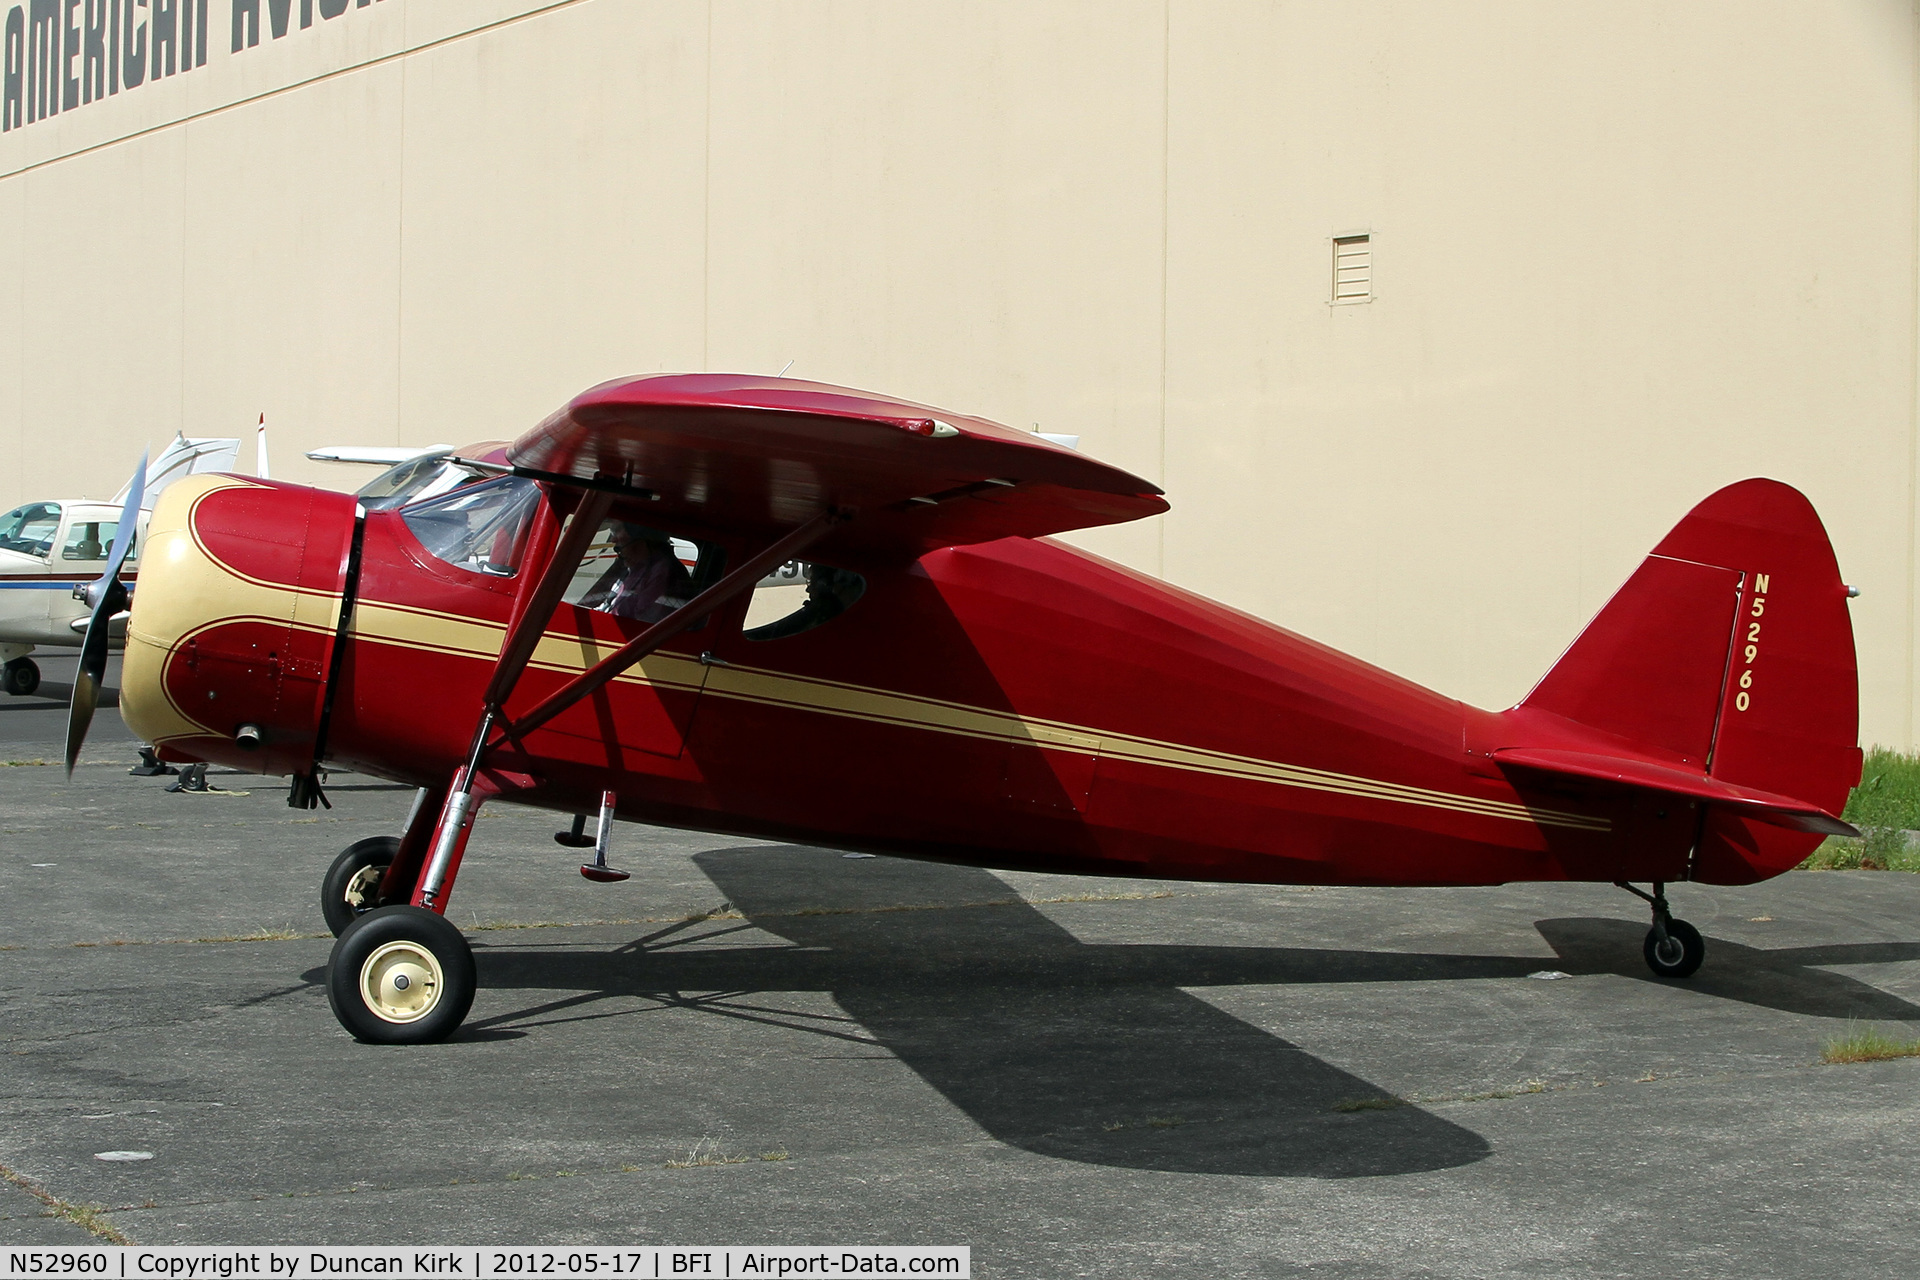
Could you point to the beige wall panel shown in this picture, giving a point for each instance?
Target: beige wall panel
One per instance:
(99, 325)
(292, 268)
(554, 214)
(1607, 284)
(1624, 253)
(956, 204)
(430, 21)
(24, 453)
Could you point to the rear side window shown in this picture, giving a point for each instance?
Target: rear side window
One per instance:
(91, 540)
(783, 607)
(482, 528)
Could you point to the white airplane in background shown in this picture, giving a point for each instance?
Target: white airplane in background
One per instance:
(48, 548)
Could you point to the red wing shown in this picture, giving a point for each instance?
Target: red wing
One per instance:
(733, 453)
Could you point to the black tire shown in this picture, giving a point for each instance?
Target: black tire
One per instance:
(347, 891)
(21, 677)
(1683, 953)
(400, 975)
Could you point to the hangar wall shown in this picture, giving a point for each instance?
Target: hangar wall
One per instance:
(1623, 253)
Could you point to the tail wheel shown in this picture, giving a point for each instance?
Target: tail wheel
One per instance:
(400, 975)
(1679, 954)
(352, 884)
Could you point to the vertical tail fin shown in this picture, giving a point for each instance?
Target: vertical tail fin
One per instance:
(1730, 648)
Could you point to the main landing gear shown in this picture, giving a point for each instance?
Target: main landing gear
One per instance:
(399, 972)
(20, 677)
(1674, 948)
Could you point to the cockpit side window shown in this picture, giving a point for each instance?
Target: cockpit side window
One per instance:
(481, 528)
(775, 614)
(634, 571)
(30, 529)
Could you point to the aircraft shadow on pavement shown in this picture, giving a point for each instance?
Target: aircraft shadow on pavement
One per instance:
(1093, 1052)
(1086, 1053)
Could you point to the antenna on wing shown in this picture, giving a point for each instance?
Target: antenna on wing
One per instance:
(260, 449)
(783, 368)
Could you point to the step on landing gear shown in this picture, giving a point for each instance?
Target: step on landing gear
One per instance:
(598, 870)
(1674, 948)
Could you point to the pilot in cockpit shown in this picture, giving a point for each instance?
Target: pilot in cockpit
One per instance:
(647, 581)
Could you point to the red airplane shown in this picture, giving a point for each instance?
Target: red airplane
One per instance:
(566, 630)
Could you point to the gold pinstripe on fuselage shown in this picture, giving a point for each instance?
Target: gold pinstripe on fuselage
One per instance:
(212, 584)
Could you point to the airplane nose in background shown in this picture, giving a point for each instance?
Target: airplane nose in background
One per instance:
(232, 619)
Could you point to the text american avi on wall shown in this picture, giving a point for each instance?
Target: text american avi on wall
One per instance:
(62, 55)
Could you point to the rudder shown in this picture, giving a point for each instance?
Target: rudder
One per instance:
(1730, 647)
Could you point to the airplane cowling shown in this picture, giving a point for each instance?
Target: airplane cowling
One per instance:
(233, 621)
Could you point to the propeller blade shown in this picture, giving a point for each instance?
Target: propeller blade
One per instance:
(105, 597)
(86, 694)
(129, 514)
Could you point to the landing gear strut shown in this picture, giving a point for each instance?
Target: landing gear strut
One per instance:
(1674, 948)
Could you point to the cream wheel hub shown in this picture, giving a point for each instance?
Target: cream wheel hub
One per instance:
(401, 982)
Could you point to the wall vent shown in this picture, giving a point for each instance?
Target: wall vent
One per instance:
(1352, 269)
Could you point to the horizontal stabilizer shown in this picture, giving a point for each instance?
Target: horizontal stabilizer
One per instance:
(1748, 802)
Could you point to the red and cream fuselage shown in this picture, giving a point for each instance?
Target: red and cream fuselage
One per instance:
(1013, 703)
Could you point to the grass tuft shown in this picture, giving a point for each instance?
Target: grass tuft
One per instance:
(704, 1153)
(1867, 1044)
(1369, 1104)
(1885, 806)
(88, 1217)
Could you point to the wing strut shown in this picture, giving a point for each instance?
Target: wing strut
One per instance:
(533, 619)
(471, 783)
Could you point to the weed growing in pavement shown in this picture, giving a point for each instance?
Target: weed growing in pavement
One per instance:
(707, 1152)
(88, 1217)
(1867, 1044)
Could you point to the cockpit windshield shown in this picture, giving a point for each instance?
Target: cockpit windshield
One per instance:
(30, 529)
(425, 476)
(481, 528)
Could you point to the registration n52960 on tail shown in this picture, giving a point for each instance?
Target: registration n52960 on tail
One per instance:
(786, 610)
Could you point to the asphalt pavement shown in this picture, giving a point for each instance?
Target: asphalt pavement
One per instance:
(751, 1043)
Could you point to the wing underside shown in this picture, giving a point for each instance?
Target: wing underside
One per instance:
(760, 455)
